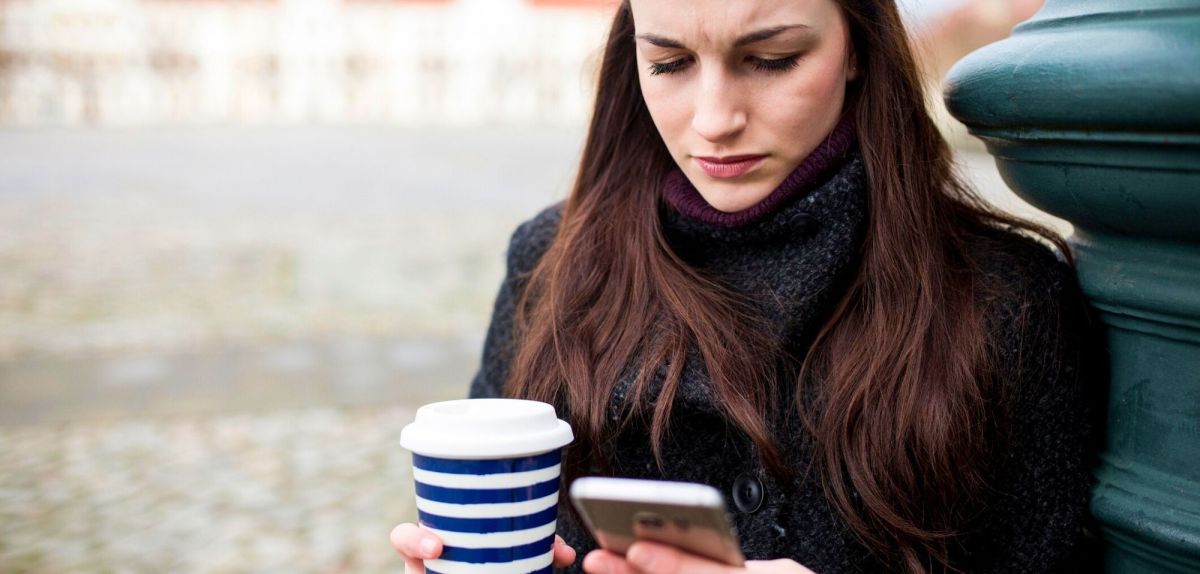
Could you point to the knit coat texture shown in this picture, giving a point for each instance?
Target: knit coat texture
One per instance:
(795, 261)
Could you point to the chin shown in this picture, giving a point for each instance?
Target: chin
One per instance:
(733, 201)
(730, 207)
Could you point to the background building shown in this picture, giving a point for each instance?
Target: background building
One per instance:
(154, 62)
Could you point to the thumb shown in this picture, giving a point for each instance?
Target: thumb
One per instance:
(564, 555)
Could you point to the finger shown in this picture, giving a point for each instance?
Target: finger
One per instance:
(564, 555)
(652, 558)
(411, 541)
(776, 566)
(605, 562)
(413, 566)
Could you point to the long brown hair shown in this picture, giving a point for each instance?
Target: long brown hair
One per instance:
(901, 367)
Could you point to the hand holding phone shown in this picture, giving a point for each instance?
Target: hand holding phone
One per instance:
(688, 516)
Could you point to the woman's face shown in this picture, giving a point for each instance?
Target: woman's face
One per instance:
(741, 91)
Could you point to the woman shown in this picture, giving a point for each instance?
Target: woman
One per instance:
(767, 278)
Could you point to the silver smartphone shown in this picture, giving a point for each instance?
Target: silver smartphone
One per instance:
(685, 515)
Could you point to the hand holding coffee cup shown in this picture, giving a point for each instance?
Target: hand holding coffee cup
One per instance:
(487, 476)
(416, 544)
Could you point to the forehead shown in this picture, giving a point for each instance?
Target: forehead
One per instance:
(717, 23)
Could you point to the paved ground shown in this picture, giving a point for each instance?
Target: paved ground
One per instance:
(211, 338)
(121, 241)
(312, 490)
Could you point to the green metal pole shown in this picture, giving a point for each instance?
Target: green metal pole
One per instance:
(1092, 111)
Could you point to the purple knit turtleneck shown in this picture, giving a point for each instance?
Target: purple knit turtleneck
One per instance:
(828, 155)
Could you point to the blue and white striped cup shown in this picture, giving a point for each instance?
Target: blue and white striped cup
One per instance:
(487, 476)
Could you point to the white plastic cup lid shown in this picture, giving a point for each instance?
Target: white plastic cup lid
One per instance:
(485, 428)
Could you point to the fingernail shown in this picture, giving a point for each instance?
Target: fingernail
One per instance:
(428, 546)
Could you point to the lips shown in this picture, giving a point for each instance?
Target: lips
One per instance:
(728, 166)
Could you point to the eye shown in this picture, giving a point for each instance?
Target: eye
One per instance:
(775, 65)
(668, 67)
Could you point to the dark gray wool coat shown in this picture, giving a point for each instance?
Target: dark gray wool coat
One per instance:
(797, 260)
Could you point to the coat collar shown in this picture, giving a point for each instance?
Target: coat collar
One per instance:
(794, 264)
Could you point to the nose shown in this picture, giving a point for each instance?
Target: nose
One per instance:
(719, 114)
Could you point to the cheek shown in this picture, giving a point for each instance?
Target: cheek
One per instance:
(815, 95)
(667, 108)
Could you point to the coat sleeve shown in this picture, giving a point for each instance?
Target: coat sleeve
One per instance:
(1052, 366)
(526, 246)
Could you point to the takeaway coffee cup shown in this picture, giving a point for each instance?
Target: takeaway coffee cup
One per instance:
(486, 473)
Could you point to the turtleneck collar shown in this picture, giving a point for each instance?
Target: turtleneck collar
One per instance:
(792, 263)
(682, 196)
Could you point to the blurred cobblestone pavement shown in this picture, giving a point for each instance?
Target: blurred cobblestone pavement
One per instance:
(313, 490)
(210, 338)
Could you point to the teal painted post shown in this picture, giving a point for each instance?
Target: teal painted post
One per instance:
(1092, 111)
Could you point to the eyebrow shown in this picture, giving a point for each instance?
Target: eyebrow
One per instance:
(752, 37)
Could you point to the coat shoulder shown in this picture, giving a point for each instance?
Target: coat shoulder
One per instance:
(1025, 285)
(1014, 264)
(532, 238)
(1033, 308)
